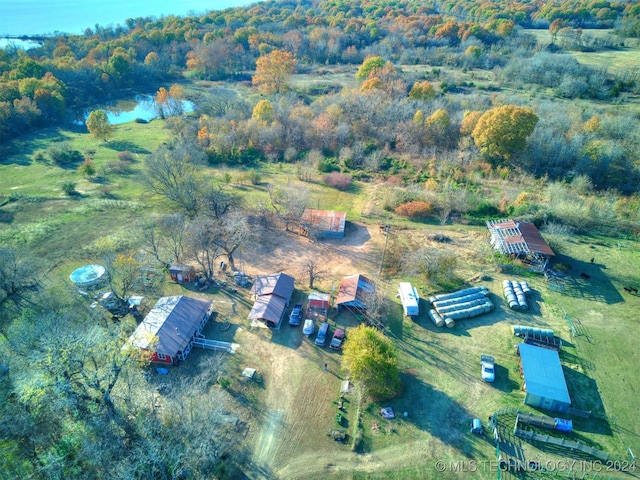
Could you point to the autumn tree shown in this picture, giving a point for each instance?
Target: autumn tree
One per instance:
(273, 71)
(169, 102)
(128, 274)
(99, 126)
(422, 91)
(370, 64)
(263, 112)
(372, 361)
(502, 131)
(554, 28)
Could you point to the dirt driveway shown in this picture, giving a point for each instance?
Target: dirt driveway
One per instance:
(298, 409)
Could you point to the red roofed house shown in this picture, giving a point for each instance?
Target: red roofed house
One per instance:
(169, 329)
(522, 240)
(272, 294)
(353, 292)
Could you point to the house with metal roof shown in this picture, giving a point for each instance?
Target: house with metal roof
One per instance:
(272, 294)
(544, 381)
(521, 240)
(354, 291)
(169, 329)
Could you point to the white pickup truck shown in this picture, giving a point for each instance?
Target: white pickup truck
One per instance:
(488, 368)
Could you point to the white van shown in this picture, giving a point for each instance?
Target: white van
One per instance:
(321, 338)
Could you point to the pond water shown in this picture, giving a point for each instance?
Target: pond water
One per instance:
(141, 106)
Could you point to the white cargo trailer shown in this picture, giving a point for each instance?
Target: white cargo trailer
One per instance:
(409, 298)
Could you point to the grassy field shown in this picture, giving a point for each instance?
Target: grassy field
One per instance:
(622, 59)
(293, 408)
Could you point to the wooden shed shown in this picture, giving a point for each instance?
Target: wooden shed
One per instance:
(182, 273)
(319, 301)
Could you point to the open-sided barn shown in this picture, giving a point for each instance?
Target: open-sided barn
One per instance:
(353, 292)
(544, 381)
(521, 239)
(272, 294)
(169, 328)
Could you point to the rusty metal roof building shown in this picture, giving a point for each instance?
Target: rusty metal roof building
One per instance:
(326, 223)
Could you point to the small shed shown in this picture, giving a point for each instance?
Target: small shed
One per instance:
(324, 223)
(182, 273)
(169, 329)
(544, 381)
(319, 301)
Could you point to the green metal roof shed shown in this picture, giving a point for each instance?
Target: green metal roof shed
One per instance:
(544, 380)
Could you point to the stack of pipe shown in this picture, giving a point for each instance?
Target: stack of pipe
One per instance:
(522, 330)
(459, 305)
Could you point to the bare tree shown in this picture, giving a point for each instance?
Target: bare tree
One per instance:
(163, 238)
(233, 231)
(203, 247)
(171, 171)
(19, 273)
(289, 203)
(130, 273)
(314, 268)
(377, 304)
(218, 202)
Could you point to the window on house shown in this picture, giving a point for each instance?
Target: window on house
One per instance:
(161, 356)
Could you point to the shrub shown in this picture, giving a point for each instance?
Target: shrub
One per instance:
(126, 156)
(88, 168)
(224, 382)
(340, 181)
(62, 154)
(329, 165)
(415, 209)
(119, 166)
(69, 188)
(254, 177)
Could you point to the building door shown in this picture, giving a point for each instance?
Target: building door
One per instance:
(179, 278)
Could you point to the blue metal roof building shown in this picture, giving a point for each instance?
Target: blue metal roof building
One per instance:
(544, 381)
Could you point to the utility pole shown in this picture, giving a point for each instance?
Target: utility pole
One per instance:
(387, 228)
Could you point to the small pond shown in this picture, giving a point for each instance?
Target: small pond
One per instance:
(141, 106)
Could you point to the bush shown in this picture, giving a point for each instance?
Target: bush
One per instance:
(415, 209)
(69, 188)
(329, 165)
(340, 181)
(63, 154)
(119, 166)
(126, 156)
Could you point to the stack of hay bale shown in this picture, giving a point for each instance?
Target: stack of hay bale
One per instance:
(467, 303)
(516, 294)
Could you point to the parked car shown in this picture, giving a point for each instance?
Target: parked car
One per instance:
(488, 368)
(476, 426)
(321, 338)
(296, 315)
(309, 327)
(338, 338)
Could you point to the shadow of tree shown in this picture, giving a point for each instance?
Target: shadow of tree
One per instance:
(125, 145)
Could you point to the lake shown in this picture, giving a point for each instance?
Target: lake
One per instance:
(128, 110)
(32, 17)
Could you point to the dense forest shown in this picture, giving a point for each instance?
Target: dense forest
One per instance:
(440, 99)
